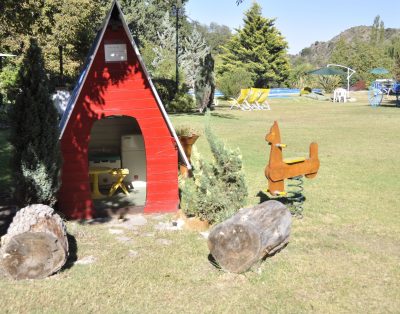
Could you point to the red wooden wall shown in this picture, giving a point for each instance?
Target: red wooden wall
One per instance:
(118, 88)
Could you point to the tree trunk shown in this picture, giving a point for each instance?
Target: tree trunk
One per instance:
(35, 245)
(251, 234)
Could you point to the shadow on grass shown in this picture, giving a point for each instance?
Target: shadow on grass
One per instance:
(293, 202)
(73, 252)
(116, 206)
(265, 197)
(387, 103)
(214, 262)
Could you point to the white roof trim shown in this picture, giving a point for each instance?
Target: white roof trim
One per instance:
(159, 102)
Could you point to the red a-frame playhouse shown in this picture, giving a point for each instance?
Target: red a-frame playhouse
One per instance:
(115, 94)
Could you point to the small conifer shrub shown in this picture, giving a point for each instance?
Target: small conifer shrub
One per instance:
(217, 189)
(34, 134)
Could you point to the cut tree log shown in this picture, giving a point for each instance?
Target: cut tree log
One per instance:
(250, 235)
(35, 245)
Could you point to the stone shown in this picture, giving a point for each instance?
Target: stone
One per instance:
(86, 260)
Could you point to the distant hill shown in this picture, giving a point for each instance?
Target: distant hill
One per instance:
(319, 52)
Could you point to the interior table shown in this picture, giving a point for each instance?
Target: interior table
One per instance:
(94, 172)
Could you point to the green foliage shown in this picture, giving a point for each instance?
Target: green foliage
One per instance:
(394, 52)
(214, 34)
(70, 23)
(8, 90)
(182, 102)
(218, 189)
(34, 134)
(143, 17)
(360, 56)
(231, 82)
(299, 76)
(329, 82)
(205, 83)
(305, 91)
(259, 48)
(377, 31)
(165, 55)
(195, 49)
(166, 89)
(174, 101)
(73, 26)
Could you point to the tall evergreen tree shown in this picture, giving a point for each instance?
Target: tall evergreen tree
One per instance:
(165, 48)
(258, 47)
(34, 134)
(195, 49)
(205, 83)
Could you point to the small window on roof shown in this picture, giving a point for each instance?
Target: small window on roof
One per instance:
(115, 52)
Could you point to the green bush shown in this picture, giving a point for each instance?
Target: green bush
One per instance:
(217, 189)
(8, 91)
(182, 102)
(329, 82)
(166, 89)
(305, 91)
(230, 83)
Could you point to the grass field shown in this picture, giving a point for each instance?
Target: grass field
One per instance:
(343, 257)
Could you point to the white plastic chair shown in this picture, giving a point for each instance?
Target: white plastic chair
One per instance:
(339, 94)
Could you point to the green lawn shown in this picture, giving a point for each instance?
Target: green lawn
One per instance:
(343, 257)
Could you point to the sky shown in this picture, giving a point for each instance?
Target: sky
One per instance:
(301, 22)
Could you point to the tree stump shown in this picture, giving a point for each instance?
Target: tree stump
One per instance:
(250, 235)
(35, 245)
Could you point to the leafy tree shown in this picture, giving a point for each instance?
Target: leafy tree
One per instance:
(299, 77)
(230, 83)
(34, 134)
(394, 53)
(377, 31)
(71, 24)
(214, 34)
(259, 48)
(360, 56)
(143, 17)
(74, 26)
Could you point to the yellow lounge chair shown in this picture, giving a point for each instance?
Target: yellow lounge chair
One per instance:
(240, 102)
(252, 98)
(262, 102)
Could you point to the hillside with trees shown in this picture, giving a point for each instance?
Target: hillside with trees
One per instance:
(361, 48)
(320, 52)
